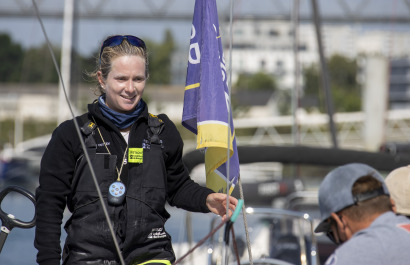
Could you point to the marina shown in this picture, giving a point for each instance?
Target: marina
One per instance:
(312, 85)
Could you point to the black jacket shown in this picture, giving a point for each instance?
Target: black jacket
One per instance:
(138, 223)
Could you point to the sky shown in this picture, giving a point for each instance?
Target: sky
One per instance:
(88, 33)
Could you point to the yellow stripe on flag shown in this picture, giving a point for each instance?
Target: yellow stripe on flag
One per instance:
(192, 86)
(213, 136)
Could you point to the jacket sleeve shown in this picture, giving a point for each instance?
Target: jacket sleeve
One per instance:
(182, 191)
(57, 166)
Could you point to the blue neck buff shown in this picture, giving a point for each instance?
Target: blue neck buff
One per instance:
(120, 120)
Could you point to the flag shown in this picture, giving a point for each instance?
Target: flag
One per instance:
(206, 99)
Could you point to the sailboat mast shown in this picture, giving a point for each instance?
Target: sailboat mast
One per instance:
(63, 111)
(324, 73)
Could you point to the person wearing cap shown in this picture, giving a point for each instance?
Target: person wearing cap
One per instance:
(356, 213)
(398, 183)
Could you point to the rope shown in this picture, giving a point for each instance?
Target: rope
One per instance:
(77, 127)
(201, 242)
(228, 221)
(235, 246)
(245, 222)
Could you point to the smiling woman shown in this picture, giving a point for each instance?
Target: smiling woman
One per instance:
(136, 159)
(124, 84)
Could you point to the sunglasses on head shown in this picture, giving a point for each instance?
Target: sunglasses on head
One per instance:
(118, 39)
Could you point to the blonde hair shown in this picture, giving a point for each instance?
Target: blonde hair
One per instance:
(109, 53)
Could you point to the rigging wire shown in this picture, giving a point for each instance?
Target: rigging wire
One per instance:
(324, 74)
(77, 127)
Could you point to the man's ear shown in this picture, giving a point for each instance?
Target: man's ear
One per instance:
(393, 205)
(337, 219)
(343, 227)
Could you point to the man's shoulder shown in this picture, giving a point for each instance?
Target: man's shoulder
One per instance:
(390, 220)
(375, 244)
(356, 250)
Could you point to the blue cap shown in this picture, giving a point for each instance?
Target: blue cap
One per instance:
(335, 191)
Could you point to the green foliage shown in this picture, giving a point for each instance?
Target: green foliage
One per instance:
(345, 90)
(11, 57)
(35, 65)
(38, 66)
(160, 59)
(312, 80)
(255, 82)
(284, 101)
(81, 65)
(346, 101)
(31, 129)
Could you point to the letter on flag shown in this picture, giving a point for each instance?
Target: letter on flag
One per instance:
(206, 99)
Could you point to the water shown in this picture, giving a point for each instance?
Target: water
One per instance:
(19, 249)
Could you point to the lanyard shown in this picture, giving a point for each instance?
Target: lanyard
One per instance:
(117, 190)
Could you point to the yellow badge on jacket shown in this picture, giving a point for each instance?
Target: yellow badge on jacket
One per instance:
(135, 155)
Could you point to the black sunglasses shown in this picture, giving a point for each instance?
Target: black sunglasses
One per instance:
(331, 236)
(118, 39)
(328, 230)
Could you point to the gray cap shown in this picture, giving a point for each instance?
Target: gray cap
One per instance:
(335, 191)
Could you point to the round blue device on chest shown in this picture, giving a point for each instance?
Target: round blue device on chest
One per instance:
(116, 193)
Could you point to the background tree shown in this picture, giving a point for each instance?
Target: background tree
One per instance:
(11, 57)
(35, 65)
(38, 66)
(259, 81)
(160, 59)
(346, 92)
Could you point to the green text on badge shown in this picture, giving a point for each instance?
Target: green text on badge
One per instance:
(135, 155)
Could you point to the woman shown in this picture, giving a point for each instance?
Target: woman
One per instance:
(136, 157)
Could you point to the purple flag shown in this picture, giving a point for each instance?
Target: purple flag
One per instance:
(206, 99)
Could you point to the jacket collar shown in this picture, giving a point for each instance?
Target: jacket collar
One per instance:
(95, 112)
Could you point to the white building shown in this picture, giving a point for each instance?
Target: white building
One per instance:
(268, 46)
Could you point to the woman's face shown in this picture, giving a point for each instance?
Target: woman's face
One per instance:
(125, 83)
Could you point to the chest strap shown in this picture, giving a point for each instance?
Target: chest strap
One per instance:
(88, 130)
(156, 125)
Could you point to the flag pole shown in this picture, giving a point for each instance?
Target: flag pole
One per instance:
(228, 149)
(229, 141)
(230, 107)
(207, 86)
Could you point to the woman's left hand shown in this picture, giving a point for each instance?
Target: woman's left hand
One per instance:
(216, 203)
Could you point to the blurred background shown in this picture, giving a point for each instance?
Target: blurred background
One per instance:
(331, 75)
(335, 75)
